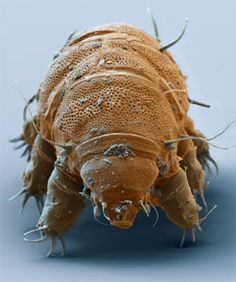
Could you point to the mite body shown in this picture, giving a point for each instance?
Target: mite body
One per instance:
(106, 107)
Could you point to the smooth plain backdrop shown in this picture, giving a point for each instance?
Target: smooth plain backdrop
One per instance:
(31, 33)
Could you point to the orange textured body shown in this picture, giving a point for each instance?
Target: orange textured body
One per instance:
(114, 78)
(106, 106)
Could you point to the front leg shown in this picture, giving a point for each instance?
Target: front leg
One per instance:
(37, 172)
(61, 209)
(177, 200)
(174, 196)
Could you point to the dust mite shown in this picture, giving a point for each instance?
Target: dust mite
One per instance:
(109, 107)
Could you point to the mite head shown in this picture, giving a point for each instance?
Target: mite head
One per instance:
(119, 178)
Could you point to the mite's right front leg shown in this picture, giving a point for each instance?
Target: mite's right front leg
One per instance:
(61, 209)
(37, 172)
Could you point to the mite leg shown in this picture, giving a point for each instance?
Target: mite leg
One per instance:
(174, 196)
(27, 137)
(176, 199)
(61, 209)
(189, 162)
(38, 170)
(195, 174)
(203, 153)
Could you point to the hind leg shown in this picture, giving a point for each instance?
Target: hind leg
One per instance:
(203, 153)
(27, 137)
(38, 170)
(187, 151)
(29, 131)
(61, 209)
(192, 167)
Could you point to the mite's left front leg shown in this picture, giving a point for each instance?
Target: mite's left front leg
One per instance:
(175, 198)
(61, 209)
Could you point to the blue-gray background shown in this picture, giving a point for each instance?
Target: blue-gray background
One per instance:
(31, 32)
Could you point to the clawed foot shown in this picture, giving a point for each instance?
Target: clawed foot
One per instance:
(194, 229)
(27, 149)
(205, 159)
(202, 196)
(39, 198)
(46, 234)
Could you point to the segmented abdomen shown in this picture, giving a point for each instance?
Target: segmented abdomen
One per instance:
(110, 79)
